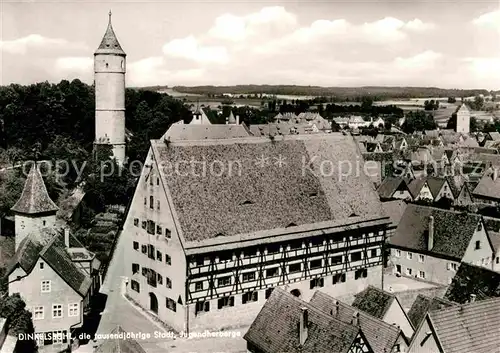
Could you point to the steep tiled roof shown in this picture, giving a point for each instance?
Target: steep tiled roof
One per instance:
(422, 305)
(26, 255)
(394, 209)
(34, 198)
(58, 258)
(373, 301)
(435, 184)
(380, 335)
(471, 279)
(282, 128)
(276, 328)
(118, 343)
(389, 186)
(256, 192)
(109, 43)
(495, 135)
(468, 328)
(452, 230)
(488, 187)
(416, 185)
(495, 240)
(181, 132)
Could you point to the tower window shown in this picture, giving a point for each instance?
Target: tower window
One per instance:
(107, 65)
(122, 65)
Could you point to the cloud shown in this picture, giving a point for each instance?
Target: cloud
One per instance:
(422, 61)
(488, 20)
(236, 28)
(22, 45)
(74, 63)
(417, 25)
(189, 48)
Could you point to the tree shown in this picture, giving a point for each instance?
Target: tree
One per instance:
(13, 308)
(452, 99)
(15, 155)
(418, 121)
(473, 126)
(478, 103)
(431, 105)
(452, 122)
(11, 186)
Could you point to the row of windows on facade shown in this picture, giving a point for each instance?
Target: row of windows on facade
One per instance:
(409, 272)
(57, 311)
(153, 278)
(269, 273)
(169, 302)
(253, 296)
(450, 265)
(152, 228)
(149, 250)
(272, 249)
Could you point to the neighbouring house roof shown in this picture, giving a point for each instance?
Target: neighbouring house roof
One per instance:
(26, 255)
(380, 335)
(68, 205)
(283, 128)
(452, 230)
(494, 136)
(470, 142)
(394, 209)
(435, 184)
(422, 305)
(471, 279)
(109, 43)
(468, 328)
(389, 186)
(416, 185)
(488, 186)
(178, 132)
(118, 343)
(373, 301)
(276, 328)
(495, 240)
(34, 198)
(264, 185)
(432, 133)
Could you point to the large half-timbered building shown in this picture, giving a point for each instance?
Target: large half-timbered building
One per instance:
(216, 224)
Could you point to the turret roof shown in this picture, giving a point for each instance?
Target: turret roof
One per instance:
(34, 198)
(109, 43)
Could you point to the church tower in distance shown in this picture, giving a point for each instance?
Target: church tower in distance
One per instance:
(109, 80)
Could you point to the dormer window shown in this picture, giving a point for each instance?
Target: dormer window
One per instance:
(478, 245)
(479, 227)
(247, 202)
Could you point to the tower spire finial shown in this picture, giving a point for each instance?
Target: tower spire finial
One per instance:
(109, 14)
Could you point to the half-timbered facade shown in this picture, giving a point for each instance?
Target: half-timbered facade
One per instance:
(207, 245)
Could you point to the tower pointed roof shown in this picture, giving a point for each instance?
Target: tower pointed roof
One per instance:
(231, 119)
(109, 43)
(34, 199)
(463, 108)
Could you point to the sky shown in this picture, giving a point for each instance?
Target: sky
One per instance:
(349, 43)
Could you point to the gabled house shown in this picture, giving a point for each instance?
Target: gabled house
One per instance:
(381, 336)
(431, 188)
(394, 188)
(464, 328)
(200, 117)
(289, 324)
(488, 189)
(400, 143)
(430, 243)
(423, 304)
(464, 196)
(384, 306)
(373, 147)
(473, 282)
(53, 273)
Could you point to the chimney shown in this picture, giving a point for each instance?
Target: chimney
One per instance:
(303, 326)
(237, 119)
(472, 298)
(337, 308)
(66, 237)
(430, 237)
(355, 319)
